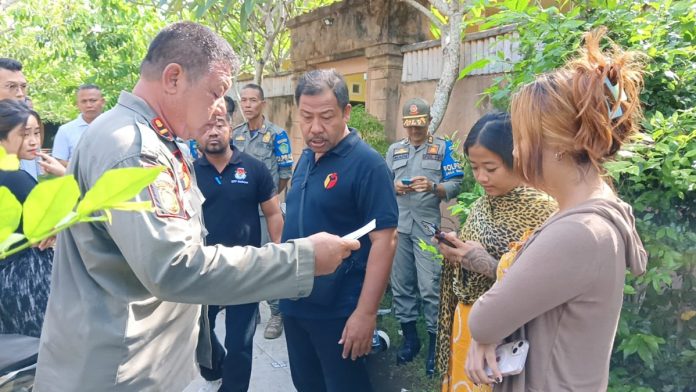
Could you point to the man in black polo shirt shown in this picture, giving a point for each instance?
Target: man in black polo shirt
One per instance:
(234, 185)
(340, 184)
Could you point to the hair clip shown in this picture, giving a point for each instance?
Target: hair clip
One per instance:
(619, 96)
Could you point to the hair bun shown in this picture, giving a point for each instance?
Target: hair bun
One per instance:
(606, 89)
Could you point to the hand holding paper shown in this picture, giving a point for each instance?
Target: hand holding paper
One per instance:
(371, 225)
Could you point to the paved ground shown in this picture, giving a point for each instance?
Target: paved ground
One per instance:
(270, 371)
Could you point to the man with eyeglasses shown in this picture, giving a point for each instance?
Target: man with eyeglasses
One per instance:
(13, 84)
(90, 102)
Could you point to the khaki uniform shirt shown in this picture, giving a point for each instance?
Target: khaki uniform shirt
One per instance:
(434, 160)
(123, 313)
(270, 145)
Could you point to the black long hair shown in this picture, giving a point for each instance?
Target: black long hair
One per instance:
(12, 113)
(494, 132)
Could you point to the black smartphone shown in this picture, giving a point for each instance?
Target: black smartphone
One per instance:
(432, 230)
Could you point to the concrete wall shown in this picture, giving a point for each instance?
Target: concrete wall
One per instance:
(345, 29)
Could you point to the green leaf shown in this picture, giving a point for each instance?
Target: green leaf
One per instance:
(10, 240)
(116, 186)
(645, 355)
(478, 64)
(10, 213)
(134, 206)
(520, 5)
(47, 204)
(204, 8)
(247, 9)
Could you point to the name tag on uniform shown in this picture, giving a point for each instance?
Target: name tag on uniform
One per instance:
(433, 157)
(239, 138)
(400, 153)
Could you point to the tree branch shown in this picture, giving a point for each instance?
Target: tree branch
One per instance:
(425, 11)
(443, 7)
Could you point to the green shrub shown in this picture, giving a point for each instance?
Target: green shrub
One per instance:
(655, 348)
(370, 128)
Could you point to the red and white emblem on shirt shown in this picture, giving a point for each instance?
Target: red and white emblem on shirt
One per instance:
(240, 174)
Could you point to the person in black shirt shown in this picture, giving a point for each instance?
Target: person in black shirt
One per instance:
(24, 276)
(234, 185)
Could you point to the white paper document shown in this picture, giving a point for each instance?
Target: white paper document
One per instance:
(361, 231)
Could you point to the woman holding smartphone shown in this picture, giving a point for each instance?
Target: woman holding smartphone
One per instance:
(25, 276)
(500, 217)
(565, 287)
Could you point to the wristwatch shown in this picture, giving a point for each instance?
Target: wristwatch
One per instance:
(434, 190)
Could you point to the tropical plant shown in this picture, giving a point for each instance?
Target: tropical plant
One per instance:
(52, 206)
(370, 128)
(63, 44)
(256, 29)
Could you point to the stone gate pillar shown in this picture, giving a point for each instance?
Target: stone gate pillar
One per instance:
(384, 66)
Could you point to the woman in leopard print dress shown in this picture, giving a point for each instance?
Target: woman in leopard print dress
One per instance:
(496, 220)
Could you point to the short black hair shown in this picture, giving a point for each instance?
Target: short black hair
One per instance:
(230, 105)
(191, 45)
(10, 64)
(494, 132)
(256, 87)
(317, 81)
(12, 113)
(88, 86)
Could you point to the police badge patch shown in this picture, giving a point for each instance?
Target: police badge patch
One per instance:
(433, 149)
(166, 198)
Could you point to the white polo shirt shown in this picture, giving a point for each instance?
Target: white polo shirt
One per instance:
(67, 137)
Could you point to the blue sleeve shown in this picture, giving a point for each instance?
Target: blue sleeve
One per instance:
(281, 149)
(377, 198)
(450, 166)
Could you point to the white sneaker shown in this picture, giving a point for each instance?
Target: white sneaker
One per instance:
(211, 386)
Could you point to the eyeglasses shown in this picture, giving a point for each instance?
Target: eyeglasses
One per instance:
(16, 86)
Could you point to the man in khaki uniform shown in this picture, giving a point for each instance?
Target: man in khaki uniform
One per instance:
(270, 144)
(425, 173)
(121, 313)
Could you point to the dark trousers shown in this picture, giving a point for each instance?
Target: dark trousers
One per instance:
(234, 367)
(316, 364)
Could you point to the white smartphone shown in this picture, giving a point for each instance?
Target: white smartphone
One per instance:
(510, 357)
